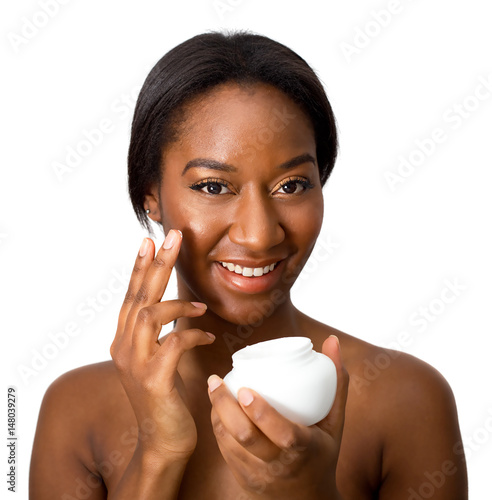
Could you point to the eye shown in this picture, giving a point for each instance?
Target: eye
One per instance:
(211, 186)
(294, 185)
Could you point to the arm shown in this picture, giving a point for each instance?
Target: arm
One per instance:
(149, 477)
(422, 434)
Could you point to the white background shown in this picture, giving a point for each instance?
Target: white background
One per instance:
(64, 239)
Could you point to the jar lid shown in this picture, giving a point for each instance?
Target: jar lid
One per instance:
(285, 349)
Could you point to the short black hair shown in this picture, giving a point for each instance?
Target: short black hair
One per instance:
(199, 64)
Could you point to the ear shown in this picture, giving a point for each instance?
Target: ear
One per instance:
(151, 202)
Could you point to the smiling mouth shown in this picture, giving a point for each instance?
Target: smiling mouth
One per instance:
(248, 272)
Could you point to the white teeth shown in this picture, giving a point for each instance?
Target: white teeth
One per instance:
(248, 271)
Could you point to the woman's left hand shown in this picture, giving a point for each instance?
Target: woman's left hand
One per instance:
(272, 457)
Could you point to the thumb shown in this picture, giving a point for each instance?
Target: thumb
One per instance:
(333, 422)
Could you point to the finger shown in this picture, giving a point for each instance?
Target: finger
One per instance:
(150, 320)
(155, 281)
(334, 421)
(228, 419)
(142, 263)
(240, 460)
(174, 345)
(282, 432)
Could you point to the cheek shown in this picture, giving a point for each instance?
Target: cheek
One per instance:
(304, 223)
(200, 228)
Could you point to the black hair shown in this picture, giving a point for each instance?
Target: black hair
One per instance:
(197, 65)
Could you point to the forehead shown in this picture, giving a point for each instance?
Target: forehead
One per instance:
(237, 123)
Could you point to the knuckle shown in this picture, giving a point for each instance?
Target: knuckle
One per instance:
(289, 441)
(118, 361)
(174, 341)
(246, 437)
(219, 429)
(129, 297)
(160, 262)
(145, 315)
(142, 295)
(137, 268)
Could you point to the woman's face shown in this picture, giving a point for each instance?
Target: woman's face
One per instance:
(242, 184)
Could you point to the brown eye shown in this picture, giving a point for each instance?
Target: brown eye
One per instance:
(211, 186)
(294, 185)
(290, 187)
(214, 188)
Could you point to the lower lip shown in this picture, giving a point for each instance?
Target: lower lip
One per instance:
(245, 284)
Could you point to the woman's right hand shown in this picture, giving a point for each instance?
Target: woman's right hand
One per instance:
(148, 369)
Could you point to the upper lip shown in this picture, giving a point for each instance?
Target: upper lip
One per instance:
(245, 263)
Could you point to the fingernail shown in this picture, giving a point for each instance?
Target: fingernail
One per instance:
(245, 397)
(171, 239)
(213, 382)
(200, 305)
(144, 247)
(211, 335)
(337, 339)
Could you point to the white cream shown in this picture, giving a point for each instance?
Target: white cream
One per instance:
(248, 271)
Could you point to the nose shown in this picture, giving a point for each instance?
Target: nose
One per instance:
(256, 225)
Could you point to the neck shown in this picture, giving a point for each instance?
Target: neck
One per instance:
(284, 321)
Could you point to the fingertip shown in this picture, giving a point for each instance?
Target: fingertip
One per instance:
(245, 396)
(172, 238)
(200, 305)
(337, 340)
(144, 247)
(213, 382)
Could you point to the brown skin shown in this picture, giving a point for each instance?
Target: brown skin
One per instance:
(388, 432)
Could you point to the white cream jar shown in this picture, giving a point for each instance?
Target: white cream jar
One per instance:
(298, 382)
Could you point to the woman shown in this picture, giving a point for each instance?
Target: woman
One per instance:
(232, 140)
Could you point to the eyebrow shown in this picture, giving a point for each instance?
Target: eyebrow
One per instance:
(225, 167)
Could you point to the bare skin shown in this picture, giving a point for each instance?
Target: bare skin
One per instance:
(144, 425)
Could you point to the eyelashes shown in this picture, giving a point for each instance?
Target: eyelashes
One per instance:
(215, 186)
(211, 184)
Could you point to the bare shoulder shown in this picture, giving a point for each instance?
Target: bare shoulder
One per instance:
(402, 411)
(75, 406)
(89, 381)
(393, 376)
(81, 399)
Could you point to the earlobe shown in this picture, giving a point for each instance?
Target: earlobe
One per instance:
(151, 206)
